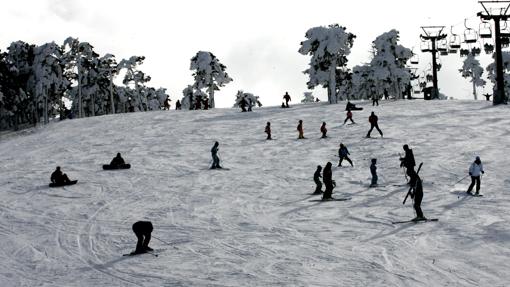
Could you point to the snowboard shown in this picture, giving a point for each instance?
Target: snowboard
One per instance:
(415, 221)
(332, 199)
(53, 184)
(111, 167)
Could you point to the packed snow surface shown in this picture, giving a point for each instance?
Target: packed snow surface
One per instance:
(254, 224)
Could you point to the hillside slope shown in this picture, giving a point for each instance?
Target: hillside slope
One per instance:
(254, 225)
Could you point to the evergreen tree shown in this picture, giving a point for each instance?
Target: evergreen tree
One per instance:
(471, 69)
(209, 73)
(308, 97)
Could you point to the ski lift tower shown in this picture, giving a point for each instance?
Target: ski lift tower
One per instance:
(497, 11)
(433, 34)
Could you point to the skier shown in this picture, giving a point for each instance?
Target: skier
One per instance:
(373, 124)
(300, 130)
(316, 178)
(474, 171)
(268, 131)
(214, 153)
(327, 178)
(142, 230)
(178, 105)
(408, 162)
(349, 116)
(286, 97)
(343, 154)
(373, 171)
(417, 195)
(324, 130)
(117, 161)
(375, 100)
(57, 177)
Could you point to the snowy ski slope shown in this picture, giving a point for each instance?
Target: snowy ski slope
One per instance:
(254, 225)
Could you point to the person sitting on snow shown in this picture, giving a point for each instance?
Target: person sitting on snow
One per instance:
(58, 177)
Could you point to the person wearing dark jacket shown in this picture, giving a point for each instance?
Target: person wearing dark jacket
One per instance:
(142, 230)
(409, 163)
(349, 117)
(300, 130)
(373, 171)
(343, 153)
(317, 179)
(178, 105)
(58, 177)
(117, 161)
(286, 97)
(373, 119)
(324, 130)
(267, 130)
(214, 153)
(327, 178)
(417, 195)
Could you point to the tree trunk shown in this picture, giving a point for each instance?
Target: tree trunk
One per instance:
(332, 84)
(474, 90)
(80, 107)
(46, 121)
(111, 96)
(211, 95)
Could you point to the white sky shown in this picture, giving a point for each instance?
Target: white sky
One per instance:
(256, 40)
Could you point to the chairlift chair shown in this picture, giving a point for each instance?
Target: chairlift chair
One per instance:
(415, 59)
(476, 51)
(504, 31)
(442, 47)
(488, 48)
(425, 46)
(454, 40)
(485, 30)
(470, 35)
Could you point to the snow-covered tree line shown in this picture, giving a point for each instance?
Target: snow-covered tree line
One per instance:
(385, 73)
(37, 81)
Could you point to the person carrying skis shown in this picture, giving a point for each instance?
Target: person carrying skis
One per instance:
(373, 119)
(349, 117)
(327, 178)
(343, 154)
(142, 230)
(417, 196)
(57, 177)
(408, 162)
(268, 131)
(117, 161)
(475, 171)
(324, 130)
(214, 153)
(373, 171)
(300, 130)
(317, 180)
(286, 97)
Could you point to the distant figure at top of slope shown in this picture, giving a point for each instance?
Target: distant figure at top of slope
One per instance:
(317, 179)
(373, 119)
(142, 230)
(117, 163)
(343, 153)
(352, 107)
(216, 159)
(59, 179)
(300, 130)
(375, 100)
(178, 105)
(409, 163)
(324, 130)
(349, 117)
(267, 130)
(287, 99)
(475, 171)
(167, 103)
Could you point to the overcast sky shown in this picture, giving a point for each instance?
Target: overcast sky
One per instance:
(256, 40)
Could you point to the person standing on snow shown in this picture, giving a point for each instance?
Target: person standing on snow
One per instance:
(142, 230)
(300, 130)
(373, 119)
(324, 130)
(349, 117)
(409, 163)
(267, 130)
(287, 99)
(373, 171)
(343, 154)
(417, 195)
(327, 178)
(214, 153)
(317, 179)
(475, 171)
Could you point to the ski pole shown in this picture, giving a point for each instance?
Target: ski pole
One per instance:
(166, 243)
(461, 179)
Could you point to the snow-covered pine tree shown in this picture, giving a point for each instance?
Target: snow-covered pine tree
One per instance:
(250, 100)
(138, 79)
(108, 69)
(329, 48)
(471, 69)
(209, 73)
(187, 98)
(308, 97)
(363, 82)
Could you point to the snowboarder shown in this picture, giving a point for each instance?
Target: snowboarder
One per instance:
(316, 178)
(57, 177)
(373, 124)
(268, 131)
(373, 171)
(475, 171)
(343, 154)
(352, 107)
(375, 100)
(142, 230)
(117, 161)
(324, 130)
(408, 162)
(286, 97)
(214, 153)
(417, 195)
(349, 116)
(178, 105)
(327, 178)
(300, 130)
